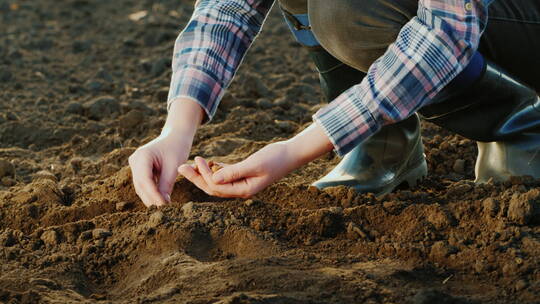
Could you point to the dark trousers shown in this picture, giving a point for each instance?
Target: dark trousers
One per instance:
(357, 32)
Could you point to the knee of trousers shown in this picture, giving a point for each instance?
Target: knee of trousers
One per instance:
(358, 32)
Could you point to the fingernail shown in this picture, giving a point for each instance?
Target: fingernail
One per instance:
(168, 197)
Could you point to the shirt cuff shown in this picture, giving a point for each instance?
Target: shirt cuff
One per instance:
(197, 84)
(347, 122)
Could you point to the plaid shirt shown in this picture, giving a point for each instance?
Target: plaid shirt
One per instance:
(430, 50)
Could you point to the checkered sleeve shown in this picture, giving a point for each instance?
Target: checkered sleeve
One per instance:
(430, 50)
(209, 50)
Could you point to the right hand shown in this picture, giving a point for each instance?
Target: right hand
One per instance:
(154, 165)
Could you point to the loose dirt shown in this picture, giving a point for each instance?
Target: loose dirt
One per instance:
(83, 83)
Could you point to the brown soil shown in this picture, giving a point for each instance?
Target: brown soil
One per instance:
(82, 85)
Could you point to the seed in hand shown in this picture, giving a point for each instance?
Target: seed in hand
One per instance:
(214, 166)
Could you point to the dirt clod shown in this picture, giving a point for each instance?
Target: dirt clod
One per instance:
(102, 107)
(524, 206)
(44, 174)
(100, 233)
(50, 237)
(156, 219)
(491, 206)
(123, 206)
(131, 119)
(459, 166)
(6, 168)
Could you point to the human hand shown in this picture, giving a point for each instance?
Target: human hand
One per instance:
(246, 178)
(261, 169)
(154, 165)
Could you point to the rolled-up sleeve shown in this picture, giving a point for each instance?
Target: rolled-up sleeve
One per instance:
(209, 50)
(430, 50)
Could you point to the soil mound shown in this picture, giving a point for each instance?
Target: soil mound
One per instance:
(82, 85)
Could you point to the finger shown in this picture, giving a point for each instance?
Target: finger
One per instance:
(143, 180)
(150, 194)
(193, 176)
(240, 188)
(203, 180)
(231, 173)
(167, 179)
(206, 173)
(237, 188)
(204, 169)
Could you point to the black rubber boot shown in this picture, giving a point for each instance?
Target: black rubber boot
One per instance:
(502, 114)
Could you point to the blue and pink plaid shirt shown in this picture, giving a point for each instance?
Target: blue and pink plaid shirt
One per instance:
(430, 50)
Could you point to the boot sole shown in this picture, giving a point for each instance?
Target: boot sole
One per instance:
(412, 177)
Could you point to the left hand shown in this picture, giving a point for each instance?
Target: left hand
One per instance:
(243, 179)
(271, 163)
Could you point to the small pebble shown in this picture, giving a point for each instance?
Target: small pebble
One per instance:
(188, 210)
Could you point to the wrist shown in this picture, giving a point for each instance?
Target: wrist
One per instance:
(184, 116)
(308, 145)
